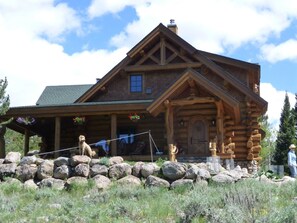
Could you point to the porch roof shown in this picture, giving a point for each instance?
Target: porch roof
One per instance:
(86, 108)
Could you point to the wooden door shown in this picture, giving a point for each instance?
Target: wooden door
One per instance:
(198, 138)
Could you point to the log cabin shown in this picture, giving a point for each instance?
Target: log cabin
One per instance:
(193, 104)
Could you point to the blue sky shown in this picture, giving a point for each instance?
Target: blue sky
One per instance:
(48, 42)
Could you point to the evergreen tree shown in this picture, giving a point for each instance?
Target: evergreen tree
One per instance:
(4, 99)
(286, 134)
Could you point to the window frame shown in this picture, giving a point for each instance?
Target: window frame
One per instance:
(136, 91)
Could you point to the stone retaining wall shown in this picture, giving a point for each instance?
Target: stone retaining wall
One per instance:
(62, 172)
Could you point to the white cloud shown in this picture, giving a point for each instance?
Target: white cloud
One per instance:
(275, 99)
(284, 51)
(213, 25)
(101, 7)
(30, 62)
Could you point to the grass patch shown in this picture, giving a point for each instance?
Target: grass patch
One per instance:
(246, 201)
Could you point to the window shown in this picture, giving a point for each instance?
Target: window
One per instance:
(136, 83)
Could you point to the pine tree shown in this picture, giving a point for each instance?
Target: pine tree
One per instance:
(286, 134)
(4, 99)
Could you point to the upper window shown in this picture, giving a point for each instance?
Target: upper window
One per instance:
(136, 83)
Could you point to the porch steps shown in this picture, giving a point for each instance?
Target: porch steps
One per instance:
(191, 159)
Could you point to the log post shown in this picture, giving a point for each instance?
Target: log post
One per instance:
(26, 142)
(220, 126)
(2, 141)
(57, 135)
(113, 134)
(169, 130)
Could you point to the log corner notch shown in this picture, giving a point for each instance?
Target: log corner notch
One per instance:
(254, 146)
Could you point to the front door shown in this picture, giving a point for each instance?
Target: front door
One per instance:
(198, 138)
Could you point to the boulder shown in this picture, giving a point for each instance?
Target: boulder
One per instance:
(52, 183)
(61, 161)
(115, 160)
(30, 184)
(45, 170)
(174, 170)
(12, 157)
(191, 172)
(26, 172)
(75, 160)
(77, 180)
(28, 160)
(153, 181)
(149, 169)
(7, 170)
(120, 170)
(98, 169)
(223, 178)
(203, 174)
(130, 180)
(2, 161)
(62, 172)
(94, 162)
(82, 170)
(136, 169)
(189, 183)
(101, 182)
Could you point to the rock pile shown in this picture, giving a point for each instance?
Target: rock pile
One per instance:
(63, 172)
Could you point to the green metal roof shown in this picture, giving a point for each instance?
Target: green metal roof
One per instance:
(62, 94)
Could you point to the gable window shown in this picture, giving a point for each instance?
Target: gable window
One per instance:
(136, 83)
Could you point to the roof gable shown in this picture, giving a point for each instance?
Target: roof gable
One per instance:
(183, 82)
(162, 49)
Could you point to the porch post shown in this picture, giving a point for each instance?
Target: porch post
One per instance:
(113, 134)
(57, 135)
(26, 143)
(220, 125)
(2, 141)
(170, 130)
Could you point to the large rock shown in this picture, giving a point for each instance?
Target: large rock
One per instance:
(82, 170)
(136, 169)
(52, 183)
(182, 183)
(61, 161)
(98, 169)
(30, 184)
(45, 170)
(75, 160)
(153, 181)
(62, 172)
(12, 157)
(28, 160)
(174, 170)
(115, 160)
(101, 182)
(203, 174)
(149, 169)
(94, 162)
(118, 171)
(130, 180)
(26, 172)
(7, 170)
(191, 172)
(223, 178)
(77, 180)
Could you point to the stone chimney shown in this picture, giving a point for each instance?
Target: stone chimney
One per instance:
(172, 26)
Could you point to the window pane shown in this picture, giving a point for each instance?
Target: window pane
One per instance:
(136, 83)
